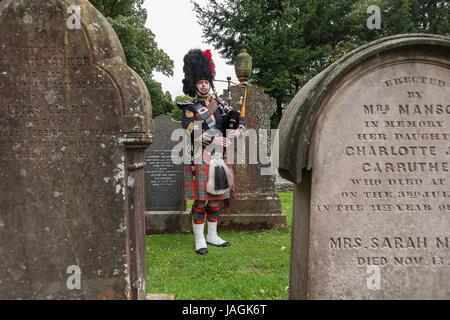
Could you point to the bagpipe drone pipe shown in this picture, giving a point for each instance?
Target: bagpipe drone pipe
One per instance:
(231, 116)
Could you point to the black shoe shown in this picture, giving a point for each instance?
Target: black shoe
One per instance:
(225, 244)
(202, 251)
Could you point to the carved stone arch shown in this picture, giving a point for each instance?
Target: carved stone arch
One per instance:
(299, 119)
(75, 121)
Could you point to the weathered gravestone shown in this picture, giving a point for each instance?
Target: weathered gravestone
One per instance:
(372, 221)
(283, 185)
(165, 207)
(257, 206)
(74, 124)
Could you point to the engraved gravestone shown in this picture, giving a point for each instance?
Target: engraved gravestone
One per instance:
(165, 207)
(372, 221)
(257, 206)
(74, 123)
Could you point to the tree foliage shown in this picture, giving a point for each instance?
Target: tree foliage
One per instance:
(128, 18)
(291, 41)
(176, 112)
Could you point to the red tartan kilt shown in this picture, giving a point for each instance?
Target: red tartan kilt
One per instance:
(196, 190)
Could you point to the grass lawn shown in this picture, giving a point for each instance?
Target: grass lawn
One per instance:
(256, 266)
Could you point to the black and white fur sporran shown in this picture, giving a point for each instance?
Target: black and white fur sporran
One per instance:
(220, 176)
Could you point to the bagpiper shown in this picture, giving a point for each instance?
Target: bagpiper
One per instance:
(203, 117)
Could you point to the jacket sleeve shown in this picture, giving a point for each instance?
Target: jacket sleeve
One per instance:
(188, 119)
(188, 123)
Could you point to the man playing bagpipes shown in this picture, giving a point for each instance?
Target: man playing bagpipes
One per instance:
(207, 179)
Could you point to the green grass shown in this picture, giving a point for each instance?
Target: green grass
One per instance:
(256, 266)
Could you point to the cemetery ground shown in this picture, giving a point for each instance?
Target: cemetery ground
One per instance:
(255, 267)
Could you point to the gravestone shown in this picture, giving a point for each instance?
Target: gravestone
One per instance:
(258, 206)
(372, 219)
(74, 123)
(165, 207)
(283, 185)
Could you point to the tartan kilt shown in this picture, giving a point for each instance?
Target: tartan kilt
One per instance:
(196, 190)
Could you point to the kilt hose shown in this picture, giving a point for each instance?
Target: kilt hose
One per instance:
(211, 212)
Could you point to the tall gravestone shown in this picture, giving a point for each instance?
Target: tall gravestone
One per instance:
(74, 123)
(165, 207)
(372, 220)
(258, 206)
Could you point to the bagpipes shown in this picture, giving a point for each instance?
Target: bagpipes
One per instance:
(220, 178)
(230, 116)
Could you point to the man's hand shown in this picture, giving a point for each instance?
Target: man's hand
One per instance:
(221, 142)
(233, 133)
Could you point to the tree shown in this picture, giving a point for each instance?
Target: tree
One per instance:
(114, 8)
(128, 18)
(291, 41)
(402, 16)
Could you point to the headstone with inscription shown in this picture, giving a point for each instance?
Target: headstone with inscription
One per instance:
(74, 123)
(165, 207)
(372, 218)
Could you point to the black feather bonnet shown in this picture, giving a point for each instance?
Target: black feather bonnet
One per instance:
(198, 65)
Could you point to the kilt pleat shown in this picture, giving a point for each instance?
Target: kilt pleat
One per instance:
(196, 189)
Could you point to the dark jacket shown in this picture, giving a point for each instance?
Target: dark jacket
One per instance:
(189, 116)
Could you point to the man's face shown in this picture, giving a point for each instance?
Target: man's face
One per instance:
(203, 87)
